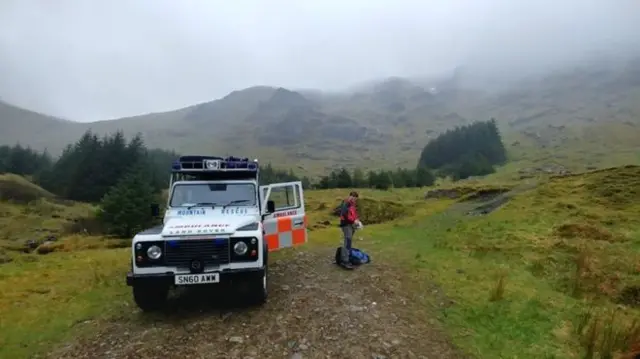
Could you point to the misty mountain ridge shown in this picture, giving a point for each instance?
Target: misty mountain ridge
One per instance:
(385, 122)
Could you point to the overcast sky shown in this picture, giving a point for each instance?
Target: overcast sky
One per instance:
(89, 60)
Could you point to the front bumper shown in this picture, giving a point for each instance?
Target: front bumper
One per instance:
(227, 276)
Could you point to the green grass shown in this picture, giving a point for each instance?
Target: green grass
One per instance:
(46, 298)
(29, 212)
(468, 256)
(575, 147)
(512, 274)
(538, 278)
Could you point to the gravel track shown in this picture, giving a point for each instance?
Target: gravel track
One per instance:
(315, 310)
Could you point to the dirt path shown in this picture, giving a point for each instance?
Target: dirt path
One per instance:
(315, 310)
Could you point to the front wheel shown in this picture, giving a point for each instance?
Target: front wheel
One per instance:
(260, 285)
(150, 298)
(259, 289)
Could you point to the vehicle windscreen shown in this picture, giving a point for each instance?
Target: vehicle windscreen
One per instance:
(189, 194)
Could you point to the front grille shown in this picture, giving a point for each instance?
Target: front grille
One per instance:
(180, 253)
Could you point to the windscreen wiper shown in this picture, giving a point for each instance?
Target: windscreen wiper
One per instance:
(202, 204)
(238, 201)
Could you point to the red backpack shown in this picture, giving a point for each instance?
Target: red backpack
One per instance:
(348, 211)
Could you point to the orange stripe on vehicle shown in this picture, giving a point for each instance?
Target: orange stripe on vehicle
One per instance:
(298, 236)
(285, 224)
(306, 222)
(273, 242)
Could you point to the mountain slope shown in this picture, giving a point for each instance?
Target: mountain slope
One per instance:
(31, 128)
(384, 124)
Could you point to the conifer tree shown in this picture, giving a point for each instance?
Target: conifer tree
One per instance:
(125, 209)
(343, 178)
(424, 177)
(465, 151)
(358, 180)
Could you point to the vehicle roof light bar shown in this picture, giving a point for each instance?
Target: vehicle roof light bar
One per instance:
(213, 164)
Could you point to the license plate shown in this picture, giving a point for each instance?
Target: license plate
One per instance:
(204, 278)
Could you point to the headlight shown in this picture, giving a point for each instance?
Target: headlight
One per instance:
(249, 227)
(240, 248)
(154, 252)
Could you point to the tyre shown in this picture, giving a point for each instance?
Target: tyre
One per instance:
(260, 283)
(259, 288)
(150, 298)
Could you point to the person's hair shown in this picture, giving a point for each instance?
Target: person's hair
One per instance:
(353, 194)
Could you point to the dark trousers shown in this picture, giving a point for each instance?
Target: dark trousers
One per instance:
(347, 232)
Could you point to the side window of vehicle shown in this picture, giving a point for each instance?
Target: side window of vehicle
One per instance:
(285, 197)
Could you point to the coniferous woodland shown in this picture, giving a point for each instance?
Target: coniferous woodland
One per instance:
(471, 150)
(124, 176)
(87, 169)
(460, 153)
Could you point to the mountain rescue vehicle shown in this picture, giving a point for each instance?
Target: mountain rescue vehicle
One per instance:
(218, 228)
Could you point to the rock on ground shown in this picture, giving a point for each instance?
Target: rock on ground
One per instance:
(315, 310)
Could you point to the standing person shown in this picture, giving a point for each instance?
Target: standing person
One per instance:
(348, 223)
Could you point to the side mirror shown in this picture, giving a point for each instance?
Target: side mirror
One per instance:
(155, 210)
(271, 206)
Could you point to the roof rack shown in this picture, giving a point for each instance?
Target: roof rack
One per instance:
(212, 164)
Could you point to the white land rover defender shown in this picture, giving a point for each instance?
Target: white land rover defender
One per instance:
(218, 227)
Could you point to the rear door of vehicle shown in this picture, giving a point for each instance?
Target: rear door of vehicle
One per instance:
(287, 225)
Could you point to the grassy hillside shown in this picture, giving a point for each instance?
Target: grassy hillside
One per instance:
(551, 272)
(574, 115)
(33, 220)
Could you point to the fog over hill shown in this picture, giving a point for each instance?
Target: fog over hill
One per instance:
(383, 123)
(89, 61)
(313, 83)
